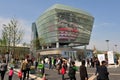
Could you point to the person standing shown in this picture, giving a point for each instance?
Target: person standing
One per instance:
(3, 69)
(72, 71)
(83, 71)
(11, 72)
(103, 72)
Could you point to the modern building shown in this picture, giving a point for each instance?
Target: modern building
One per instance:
(62, 26)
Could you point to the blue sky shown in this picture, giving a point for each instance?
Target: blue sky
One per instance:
(106, 13)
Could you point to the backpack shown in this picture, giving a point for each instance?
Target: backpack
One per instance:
(20, 74)
(71, 72)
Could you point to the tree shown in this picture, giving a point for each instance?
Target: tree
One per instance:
(36, 43)
(12, 34)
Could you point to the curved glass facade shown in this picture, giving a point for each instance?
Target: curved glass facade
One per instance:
(65, 25)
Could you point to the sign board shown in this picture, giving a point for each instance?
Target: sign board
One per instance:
(101, 57)
(110, 57)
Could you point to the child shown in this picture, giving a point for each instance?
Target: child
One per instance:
(11, 72)
(20, 75)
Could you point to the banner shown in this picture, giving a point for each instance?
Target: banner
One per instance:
(101, 57)
(110, 57)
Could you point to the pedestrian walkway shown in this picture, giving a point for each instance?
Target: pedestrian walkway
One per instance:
(32, 76)
(51, 74)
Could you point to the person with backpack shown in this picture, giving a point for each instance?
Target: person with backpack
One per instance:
(28, 65)
(11, 72)
(83, 71)
(3, 69)
(20, 75)
(72, 71)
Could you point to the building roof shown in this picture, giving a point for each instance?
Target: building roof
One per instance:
(64, 7)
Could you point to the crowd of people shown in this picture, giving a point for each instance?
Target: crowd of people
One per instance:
(24, 71)
(62, 65)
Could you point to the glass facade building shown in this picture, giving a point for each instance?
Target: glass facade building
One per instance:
(62, 25)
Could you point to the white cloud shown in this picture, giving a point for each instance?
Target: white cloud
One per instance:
(24, 24)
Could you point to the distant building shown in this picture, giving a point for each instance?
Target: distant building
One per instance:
(61, 26)
(20, 51)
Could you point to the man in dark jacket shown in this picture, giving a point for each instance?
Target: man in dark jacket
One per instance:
(103, 72)
(83, 71)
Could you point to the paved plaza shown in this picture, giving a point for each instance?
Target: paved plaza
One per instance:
(51, 74)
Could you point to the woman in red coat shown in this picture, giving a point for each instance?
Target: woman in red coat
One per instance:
(63, 71)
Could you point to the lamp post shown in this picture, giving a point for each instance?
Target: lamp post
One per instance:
(116, 47)
(107, 45)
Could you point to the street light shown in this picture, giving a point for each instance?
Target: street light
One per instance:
(107, 45)
(116, 47)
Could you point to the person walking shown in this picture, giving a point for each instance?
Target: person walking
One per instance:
(72, 71)
(23, 68)
(11, 72)
(36, 64)
(63, 69)
(103, 72)
(97, 64)
(83, 71)
(92, 62)
(70, 60)
(58, 65)
(3, 69)
(28, 65)
(88, 63)
(50, 63)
